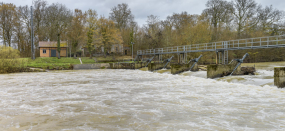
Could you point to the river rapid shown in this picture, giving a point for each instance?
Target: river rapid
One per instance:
(137, 100)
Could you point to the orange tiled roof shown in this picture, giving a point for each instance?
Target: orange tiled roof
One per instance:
(52, 44)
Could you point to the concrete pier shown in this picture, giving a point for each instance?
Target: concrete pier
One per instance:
(140, 65)
(179, 68)
(157, 66)
(279, 77)
(215, 71)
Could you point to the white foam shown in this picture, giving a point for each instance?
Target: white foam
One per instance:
(137, 100)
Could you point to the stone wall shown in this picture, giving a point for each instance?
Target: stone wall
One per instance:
(91, 66)
(127, 65)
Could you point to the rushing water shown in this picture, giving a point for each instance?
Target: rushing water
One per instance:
(136, 100)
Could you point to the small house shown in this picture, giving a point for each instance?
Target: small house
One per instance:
(117, 48)
(49, 49)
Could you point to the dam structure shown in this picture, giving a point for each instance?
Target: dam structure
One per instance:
(221, 48)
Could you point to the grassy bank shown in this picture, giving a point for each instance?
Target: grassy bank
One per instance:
(66, 62)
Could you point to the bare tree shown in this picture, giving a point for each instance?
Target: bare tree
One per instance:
(8, 19)
(122, 15)
(39, 18)
(58, 19)
(268, 17)
(153, 31)
(245, 12)
(219, 12)
(124, 20)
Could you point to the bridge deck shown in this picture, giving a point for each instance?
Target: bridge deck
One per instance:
(241, 44)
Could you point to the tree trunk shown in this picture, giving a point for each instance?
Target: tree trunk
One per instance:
(105, 52)
(74, 55)
(89, 49)
(74, 45)
(58, 46)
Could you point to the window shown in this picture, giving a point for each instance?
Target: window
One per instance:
(44, 51)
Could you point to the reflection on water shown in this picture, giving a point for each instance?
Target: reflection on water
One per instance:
(135, 100)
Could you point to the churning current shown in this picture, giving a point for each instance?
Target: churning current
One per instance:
(135, 100)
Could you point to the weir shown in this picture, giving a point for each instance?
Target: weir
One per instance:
(239, 62)
(234, 68)
(190, 66)
(158, 65)
(221, 48)
(149, 61)
(127, 65)
(195, 61)
(167, 61)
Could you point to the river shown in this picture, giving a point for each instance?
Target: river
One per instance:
(139, 100)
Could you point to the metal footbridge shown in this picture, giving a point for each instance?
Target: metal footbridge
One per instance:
(251, 43)
(222, 46)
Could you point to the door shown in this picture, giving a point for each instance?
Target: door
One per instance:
(53, 53)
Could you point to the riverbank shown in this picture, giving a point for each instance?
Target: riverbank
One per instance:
(15, 65)
(66, 63)
(52, 63)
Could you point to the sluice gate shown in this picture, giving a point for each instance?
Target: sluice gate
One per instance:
(160, 65)
(234, 68)
(190, 66)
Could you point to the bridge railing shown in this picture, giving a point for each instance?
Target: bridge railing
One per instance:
(260, 42)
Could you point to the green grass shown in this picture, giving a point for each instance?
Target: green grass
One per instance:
(51, 62)
(63, 62)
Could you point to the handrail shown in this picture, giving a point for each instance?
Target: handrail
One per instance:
(223, 45)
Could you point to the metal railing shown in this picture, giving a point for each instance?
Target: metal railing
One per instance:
(251, 43)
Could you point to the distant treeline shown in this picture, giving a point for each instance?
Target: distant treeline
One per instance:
(220, 20)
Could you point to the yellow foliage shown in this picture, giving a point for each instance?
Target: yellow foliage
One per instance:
(108, 33)
(8, 53)
(9, 61)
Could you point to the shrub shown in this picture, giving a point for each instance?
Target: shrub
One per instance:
(9, 61)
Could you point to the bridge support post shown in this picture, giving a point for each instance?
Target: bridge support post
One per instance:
(223, 57)
(139, 58)
(217, 53)
(279, 77)
(157, 57)
(182, 57)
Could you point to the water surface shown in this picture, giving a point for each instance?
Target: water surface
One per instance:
(135, 100)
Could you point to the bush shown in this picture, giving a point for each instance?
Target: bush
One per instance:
(9, 61)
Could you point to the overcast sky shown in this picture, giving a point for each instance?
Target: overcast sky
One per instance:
(143, 8)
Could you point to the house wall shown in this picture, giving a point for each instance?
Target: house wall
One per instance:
(63, 51)
(117, 48)
(47, 54)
